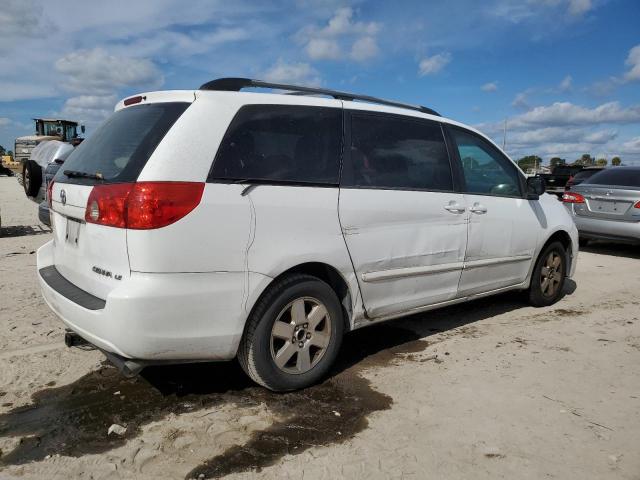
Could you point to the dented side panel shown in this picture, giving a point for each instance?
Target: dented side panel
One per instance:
(407, 249)
(502, 242)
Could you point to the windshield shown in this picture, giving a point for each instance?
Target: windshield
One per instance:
(70, 132)
(53, 129)
(119, 149)
(623, 177)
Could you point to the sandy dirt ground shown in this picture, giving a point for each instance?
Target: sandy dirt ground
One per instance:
(490, 389)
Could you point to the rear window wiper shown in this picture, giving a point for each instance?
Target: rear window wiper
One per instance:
(79, 174)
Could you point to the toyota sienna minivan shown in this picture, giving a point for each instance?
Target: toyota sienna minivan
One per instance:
(218, 223)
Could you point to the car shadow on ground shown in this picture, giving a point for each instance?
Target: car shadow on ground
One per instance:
(615, 249)
(397, 336)
(72, 420)
(23, 230)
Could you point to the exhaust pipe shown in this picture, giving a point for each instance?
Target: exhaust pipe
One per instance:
(72, 339)
(128, 368)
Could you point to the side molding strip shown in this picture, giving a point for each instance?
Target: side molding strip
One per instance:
(445, 267)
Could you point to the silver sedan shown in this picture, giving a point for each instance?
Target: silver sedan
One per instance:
(607, 206)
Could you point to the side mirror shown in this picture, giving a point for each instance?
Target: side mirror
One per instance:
(535, 187)
(82, 128)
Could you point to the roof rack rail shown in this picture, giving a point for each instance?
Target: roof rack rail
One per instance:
(237, 84)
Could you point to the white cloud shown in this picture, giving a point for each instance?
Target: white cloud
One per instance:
(632, 146)
(432, 65)
(633, 61)
(579, 7)
(341, 38)
(13, 90)
(97, 72)
(324, 49)
(566, 113)
(518, 11)
(20, 19)
(521, 101)
(548, 135)
(490, 87)
(296, 73)
(90, 109)
(364, 48)
(178, 46)
(566, 84)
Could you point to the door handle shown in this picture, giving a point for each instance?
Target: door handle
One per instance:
(478, 208)
(454, 207)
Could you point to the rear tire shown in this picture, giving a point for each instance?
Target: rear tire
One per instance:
(31, 178)
(547, 279)
(299, 350)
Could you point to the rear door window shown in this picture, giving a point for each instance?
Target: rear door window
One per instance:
(281, 144)
(119, 149)
(395, 152)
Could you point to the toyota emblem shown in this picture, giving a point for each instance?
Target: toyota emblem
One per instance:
(63, 197)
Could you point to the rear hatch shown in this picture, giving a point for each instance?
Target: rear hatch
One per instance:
(91, 256)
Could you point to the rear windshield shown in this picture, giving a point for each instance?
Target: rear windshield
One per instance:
(584, 174)
(616, 176)
(119, 149)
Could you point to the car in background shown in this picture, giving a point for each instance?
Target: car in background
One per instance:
(581, 176)
(46, 159)
(558, 178)
(607, 206)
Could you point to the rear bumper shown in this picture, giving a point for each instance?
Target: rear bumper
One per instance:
(601, 229)
(159, 317)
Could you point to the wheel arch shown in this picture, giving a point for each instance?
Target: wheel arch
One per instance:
(564, 238)
(328, 274)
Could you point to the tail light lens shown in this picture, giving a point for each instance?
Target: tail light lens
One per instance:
(50, 193)
(142, 205)
(572, 197)
(637, 205)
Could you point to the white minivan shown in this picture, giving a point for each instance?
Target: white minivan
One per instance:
(212, 224)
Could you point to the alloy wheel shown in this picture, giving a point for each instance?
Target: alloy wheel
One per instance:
(300, 335)
(551, 274)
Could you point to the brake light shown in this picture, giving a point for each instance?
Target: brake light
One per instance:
(50, 193)
(637, 205)
(572, 197)
(133, 100)
(142, 205)
(107, 205)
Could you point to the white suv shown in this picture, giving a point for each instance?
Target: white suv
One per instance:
(213, 224)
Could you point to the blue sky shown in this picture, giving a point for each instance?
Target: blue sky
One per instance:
(565, 74)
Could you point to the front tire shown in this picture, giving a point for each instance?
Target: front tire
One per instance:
(293, 335)
(547, 279)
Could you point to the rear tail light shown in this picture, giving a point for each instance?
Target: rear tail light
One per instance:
(142, 205)
(637, 205)
(50, 193)
(572, 197)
